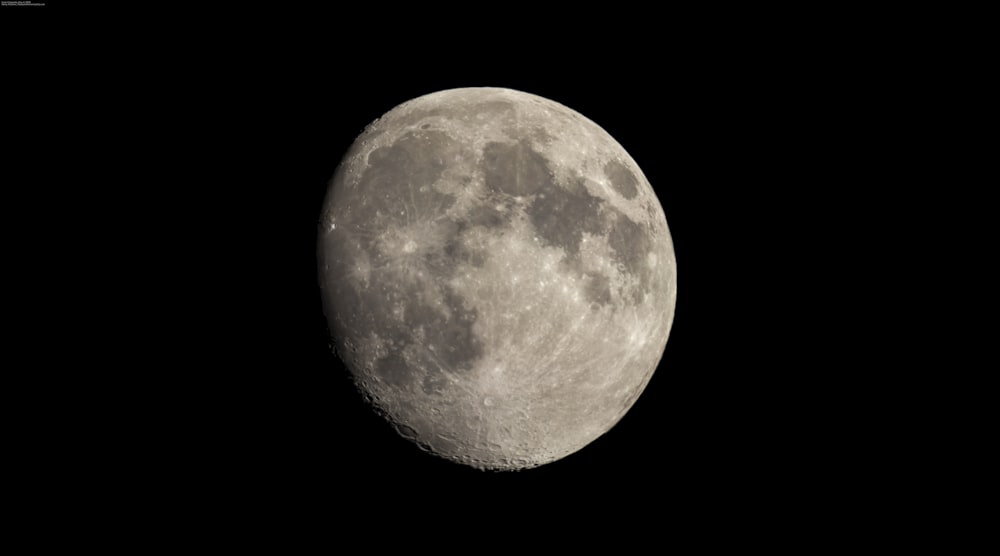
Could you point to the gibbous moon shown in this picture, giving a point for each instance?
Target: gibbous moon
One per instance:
(497, 275)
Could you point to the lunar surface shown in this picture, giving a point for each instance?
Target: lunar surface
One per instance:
(497, 275)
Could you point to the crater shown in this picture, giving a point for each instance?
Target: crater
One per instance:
(445, 445)
(406, 431)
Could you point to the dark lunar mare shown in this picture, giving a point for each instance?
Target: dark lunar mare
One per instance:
(630, 244)
(562, 212)
(622, 179)
(561, 215)
(515, 169)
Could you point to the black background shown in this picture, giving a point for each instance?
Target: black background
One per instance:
(202, 144)
(736, 140)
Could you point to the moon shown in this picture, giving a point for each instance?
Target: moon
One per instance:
(497, 275)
